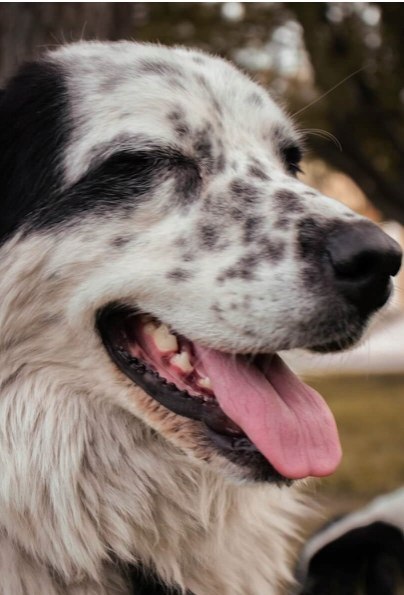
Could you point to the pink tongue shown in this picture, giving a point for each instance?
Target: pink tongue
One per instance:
(288, 421)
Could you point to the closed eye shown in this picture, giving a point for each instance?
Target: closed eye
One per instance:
(292, 156)
(125, 180)
(135, 171)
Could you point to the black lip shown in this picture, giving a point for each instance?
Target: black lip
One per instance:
(218, 429)
(342, 343)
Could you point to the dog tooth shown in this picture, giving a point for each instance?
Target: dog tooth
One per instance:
(204, 383)
(164, 340)
(181, 361)
(150, 327)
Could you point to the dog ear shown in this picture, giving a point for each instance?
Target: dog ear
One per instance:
(362, 552)
(32, 133)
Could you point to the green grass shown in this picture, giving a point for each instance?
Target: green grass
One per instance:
(370, 415)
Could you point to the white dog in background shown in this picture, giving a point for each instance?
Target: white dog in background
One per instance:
(156, 252)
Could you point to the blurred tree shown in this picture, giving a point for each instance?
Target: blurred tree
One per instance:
(300, 50)
(26, 29)
(366, 112)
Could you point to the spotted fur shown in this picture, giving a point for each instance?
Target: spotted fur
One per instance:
(155, 177)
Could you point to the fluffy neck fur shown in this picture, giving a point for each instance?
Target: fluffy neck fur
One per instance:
(86, 484)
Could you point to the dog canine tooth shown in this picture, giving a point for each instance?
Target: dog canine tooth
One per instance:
(182, 361)
(164, 340)
(150, 327)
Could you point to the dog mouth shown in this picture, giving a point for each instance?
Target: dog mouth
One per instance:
(254, 410)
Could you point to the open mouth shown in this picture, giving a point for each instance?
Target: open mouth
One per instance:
(254, 410)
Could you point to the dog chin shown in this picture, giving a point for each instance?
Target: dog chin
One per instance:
(340, 341)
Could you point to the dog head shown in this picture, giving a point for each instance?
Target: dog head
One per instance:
(158, 228)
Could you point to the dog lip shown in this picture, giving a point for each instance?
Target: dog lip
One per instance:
(334, 346)
(200, 408)
(167, 393)
(227, 438)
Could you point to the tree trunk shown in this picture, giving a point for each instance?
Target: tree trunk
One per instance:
(364, 112)
(27, 29)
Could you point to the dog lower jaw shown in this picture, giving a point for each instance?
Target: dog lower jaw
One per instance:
(258, 414)
(217, 431)
(343, 343)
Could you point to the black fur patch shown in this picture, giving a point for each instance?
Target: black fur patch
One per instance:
(203, 145)
(146, 582)
(255, 99)
(176, 82)
(120, 241)
(247, 192)
(176, 115)
(218, 311)
(34, 128)
(237, 214)
(220, 163)
(243, 269)
(257, 172)
(179, 275)
(250, 228)
(288, 201)
(216, 106)
(198, 59)
(119, 182)
(202, 81)
(187, 182)
(180, 126)
(188, 256)
(283, 222)
(125, 180)
(209, 235)
(158, 68)
(182, 129)
(111, 82)
(272, 249)
(311, 236)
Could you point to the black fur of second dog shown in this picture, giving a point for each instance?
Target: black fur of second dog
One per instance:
(366, 560)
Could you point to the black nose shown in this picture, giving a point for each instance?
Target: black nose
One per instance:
(363, 259)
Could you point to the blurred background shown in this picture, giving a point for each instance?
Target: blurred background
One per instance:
(338, 68)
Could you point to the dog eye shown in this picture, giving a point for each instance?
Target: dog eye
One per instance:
(128, 163)
(292, 156)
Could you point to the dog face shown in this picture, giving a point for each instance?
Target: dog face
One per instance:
(157, 188)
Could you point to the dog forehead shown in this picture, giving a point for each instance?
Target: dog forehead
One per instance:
(172, 96)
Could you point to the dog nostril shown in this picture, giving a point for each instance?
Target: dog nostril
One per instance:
(359, 266)
(360, 250)
(363, 259)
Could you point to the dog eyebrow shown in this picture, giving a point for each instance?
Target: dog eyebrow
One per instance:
(133, 144)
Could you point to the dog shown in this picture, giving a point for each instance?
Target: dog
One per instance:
(361, 550)
(157, 251)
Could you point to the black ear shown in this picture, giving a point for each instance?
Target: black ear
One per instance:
(33, 132)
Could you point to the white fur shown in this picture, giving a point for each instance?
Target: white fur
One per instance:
(84, 481)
